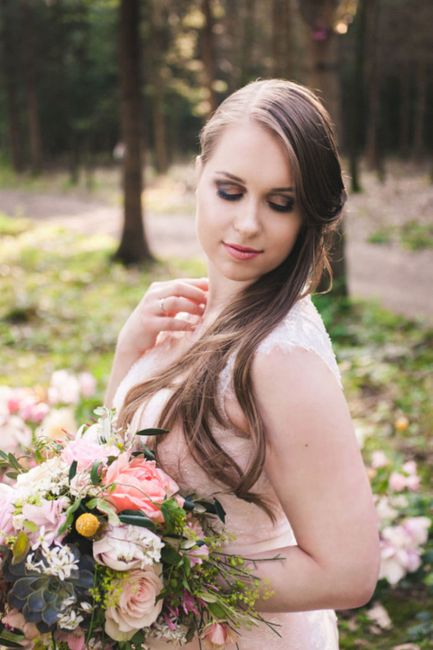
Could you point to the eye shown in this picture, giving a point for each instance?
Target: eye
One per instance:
(286, 207)
(235, 196)
(228, 197)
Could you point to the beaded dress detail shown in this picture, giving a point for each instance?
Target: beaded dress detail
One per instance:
(302, 327)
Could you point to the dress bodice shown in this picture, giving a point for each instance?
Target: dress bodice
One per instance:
(252, 528)
(302, 327)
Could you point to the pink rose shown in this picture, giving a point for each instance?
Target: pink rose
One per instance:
(136, 606)
(16, 620)
(48, 516)
(217, 635)
(75, 639)
(86, 452)
(6, 510)
(139, 485)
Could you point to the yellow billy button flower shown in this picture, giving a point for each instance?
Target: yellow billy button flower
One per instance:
(87, 525)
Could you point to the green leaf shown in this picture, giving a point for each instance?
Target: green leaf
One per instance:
(20, 548)
(73, 470)
(30, 525)
(95, 475)
(207, 596)
(69, 516)
(220, 512)
(170, 556)
(106, 508)
(136, 518)
(151, 432)
(10, 639)
(217, 610)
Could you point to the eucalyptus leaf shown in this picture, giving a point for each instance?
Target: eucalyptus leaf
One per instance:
(151, 432)
(73, 470)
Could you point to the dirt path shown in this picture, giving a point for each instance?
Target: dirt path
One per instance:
(401, 280)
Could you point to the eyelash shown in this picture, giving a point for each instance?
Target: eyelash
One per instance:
(274, 206)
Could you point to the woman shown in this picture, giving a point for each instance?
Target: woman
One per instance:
(240, 369)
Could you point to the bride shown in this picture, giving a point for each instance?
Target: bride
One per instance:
(240, 368)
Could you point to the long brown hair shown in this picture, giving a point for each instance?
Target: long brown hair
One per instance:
(296, 116)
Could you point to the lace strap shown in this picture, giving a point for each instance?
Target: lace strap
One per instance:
(302, 327)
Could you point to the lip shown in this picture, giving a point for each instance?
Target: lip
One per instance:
(241, 253)
(243, 249)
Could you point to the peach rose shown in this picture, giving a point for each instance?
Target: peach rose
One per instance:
(139, 485)
(217, 635)
(135, 608)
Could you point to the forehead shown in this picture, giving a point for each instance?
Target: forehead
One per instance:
(253, 153)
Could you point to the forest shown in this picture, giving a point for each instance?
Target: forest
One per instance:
(101, 104)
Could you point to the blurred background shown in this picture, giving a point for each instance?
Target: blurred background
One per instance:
(101, 103)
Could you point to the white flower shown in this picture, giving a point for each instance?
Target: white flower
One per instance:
(49, 476)
(57, 424)
(380, 616)
(125, 547)
(162, 631)
(69, 620)
(57, 561)
(384, 509)
(64, 388)
(14, 433)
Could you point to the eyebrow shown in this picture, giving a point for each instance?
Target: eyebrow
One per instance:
(240, 180)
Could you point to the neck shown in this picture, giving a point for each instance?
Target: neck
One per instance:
(221, 293)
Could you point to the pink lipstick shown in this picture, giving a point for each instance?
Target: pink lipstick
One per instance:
(241, 252)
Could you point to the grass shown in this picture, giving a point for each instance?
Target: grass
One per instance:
(63, 302)
(411, 235)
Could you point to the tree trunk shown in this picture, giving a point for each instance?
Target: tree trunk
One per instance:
(246, 58)
(282, 65)
(373, 152)
(133, 248)
(209, 59)
(323, 75)
(156, 80)
(29, 53)
(405, 99)
(356, 100)
(420, 109)
(10, 57)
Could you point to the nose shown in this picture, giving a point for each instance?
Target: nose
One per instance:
(247, 220)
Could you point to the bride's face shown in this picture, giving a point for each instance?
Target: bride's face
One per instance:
(245, 198)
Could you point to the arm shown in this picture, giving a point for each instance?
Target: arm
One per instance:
(123, 359)
(316, 469)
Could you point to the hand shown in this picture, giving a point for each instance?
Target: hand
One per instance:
(157, 309)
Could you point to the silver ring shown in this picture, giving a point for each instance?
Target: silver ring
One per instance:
(161, 305)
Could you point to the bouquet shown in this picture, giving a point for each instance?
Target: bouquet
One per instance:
(98, 549)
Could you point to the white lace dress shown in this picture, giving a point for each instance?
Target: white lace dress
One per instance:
(302, 327)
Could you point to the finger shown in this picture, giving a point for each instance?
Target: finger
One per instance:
(183, 290)
(176, 324)
(174, 304)
(199, 282)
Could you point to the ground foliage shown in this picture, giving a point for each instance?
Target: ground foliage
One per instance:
(62, 303)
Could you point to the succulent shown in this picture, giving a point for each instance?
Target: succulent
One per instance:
(42, 598)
